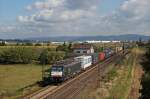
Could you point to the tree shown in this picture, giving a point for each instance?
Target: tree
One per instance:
(1, 57)
(38, 44)
(50, 57)
(63, 47)
(17, 44)
(3, 43)
(43, 57)
(16, 55)
(27, 55)
(11, 55)
(28, 44)
(146, 60)
(145, 82)
(70, 47)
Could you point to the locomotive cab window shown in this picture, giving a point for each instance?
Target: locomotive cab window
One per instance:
(84, 51)
(78, 51)
(55, 68)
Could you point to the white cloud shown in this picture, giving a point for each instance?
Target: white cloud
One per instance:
(60, 10)
(82, 17)
(138, 9)
(6, 28)
(47, 4)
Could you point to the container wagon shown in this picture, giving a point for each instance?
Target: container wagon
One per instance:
(107, 53)
(95, 57)
(86, 61)
(101, 56)
(63, 70)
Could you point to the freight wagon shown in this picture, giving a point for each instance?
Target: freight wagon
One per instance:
(108, 52)
(86, 61)
(65, 69)
(101, 56)
(95, 57)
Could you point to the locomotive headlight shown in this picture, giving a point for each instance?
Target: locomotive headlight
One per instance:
(57, 74)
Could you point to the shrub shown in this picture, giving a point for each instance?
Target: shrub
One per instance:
(48, 57)
(16, 55)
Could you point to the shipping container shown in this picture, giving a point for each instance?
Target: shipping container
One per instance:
(64, 69)
(112, 52)
(101, 56)
(95, 58)
(107, 52)
(86, 61)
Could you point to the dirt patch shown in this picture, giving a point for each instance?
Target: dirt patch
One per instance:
(136, 79)
(137, 74)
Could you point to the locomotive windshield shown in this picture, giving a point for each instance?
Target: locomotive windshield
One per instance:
(57, 68)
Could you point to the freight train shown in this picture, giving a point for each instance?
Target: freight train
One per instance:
(68, 68)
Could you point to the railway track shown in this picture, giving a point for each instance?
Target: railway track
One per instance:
(72, 87)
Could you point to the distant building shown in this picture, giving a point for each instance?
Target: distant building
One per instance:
(93, 41)
(5, 42)
(83, 49)
(57, 43)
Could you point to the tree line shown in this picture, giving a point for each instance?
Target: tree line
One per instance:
(145, 82)
(3, 43)
(24, 55)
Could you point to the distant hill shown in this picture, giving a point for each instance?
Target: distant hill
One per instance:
(133, 37)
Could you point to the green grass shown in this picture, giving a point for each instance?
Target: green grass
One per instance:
(122, 86)
(112, 74)
(15, 77)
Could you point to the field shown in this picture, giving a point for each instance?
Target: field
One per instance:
(20, 79)
(16, 77)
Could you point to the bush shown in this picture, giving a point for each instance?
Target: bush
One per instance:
(145, 82)
(112, 74)
(28, 44)
(43, 57)
(48, 57)
(2, 43)
(146, 62)
(38, 44)
(27, 55)
(16, 55)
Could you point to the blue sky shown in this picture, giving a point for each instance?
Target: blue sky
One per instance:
(107, 6)
(35, 18)
(10, 9)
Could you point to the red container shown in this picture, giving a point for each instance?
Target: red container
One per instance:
(101, 56)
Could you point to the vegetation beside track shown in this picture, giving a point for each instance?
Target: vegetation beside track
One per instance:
(117, 82)
(145, 82)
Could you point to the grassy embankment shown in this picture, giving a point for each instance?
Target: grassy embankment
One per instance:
(15, 78)
(117, 83)
(122, 85)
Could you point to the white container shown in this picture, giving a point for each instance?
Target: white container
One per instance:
(86, 61)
